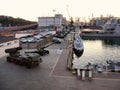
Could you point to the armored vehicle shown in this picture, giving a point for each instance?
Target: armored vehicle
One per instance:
(27, 59)
(40, 51)
(30, 60)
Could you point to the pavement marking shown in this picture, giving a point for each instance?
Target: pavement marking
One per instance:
(93, 78)
(54, 65)
(106, 79)
(63, 76)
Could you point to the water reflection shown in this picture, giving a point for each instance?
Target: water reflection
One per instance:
(99, 51)
(114, 41)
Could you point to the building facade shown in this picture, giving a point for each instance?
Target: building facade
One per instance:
(50, 23)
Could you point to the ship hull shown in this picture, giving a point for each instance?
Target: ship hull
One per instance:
(78, 53)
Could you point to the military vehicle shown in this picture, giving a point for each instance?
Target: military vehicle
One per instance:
(40, 51)
(27, 59)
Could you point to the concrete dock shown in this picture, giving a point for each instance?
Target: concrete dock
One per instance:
(52, 74)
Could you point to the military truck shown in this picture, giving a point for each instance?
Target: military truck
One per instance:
(27, 59)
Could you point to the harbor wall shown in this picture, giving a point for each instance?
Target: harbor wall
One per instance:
(99, 36)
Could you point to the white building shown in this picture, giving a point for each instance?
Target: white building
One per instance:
(50, 23)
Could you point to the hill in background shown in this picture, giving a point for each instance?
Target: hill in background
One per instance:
(6, 21)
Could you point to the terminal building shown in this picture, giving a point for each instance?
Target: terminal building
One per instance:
(51, 23)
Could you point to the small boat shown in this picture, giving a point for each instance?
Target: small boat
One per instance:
(78, 47)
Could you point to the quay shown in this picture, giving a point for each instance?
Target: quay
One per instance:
(53, 74)
(100, 36)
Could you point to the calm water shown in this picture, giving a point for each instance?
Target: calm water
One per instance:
(99, 51)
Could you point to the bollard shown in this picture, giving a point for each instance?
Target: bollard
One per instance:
(78, 73)
(90, 75)
(73, 71)
(83, 74)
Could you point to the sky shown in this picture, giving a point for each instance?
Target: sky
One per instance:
(32, 9)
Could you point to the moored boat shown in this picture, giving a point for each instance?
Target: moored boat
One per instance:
(78, 47)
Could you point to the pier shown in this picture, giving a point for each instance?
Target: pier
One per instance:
(53, 74)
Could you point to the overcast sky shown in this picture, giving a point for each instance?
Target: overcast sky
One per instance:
(32, 9)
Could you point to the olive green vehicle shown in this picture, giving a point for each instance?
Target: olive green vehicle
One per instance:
(29, 60)
(40, 51)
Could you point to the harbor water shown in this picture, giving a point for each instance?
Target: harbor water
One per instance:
(98, 52)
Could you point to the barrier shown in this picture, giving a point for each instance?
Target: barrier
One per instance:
(83, 74)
